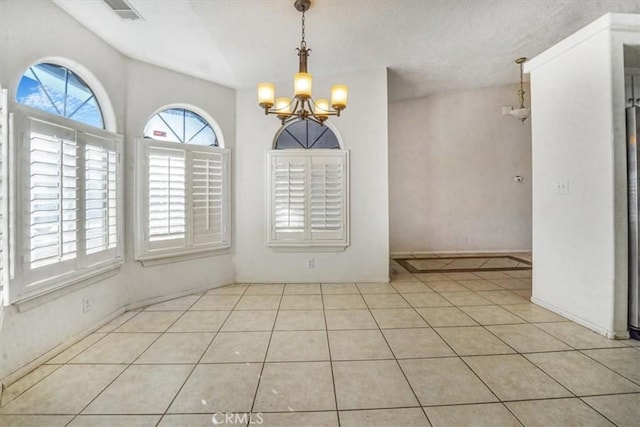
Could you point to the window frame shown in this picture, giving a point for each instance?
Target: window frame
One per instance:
(6, 120)
(282, 129)
(142, 250)
(20, 287)
(307, 241)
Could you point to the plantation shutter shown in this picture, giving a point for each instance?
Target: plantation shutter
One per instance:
(308, 199)
(166, 197)
(288, 191)
(101, 202)
(183, 199)
(327, 193)
(208, 198)
(68, 203)
(52, 229)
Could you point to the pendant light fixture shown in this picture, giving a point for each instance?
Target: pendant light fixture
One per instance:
(303, 106)
(521, 113)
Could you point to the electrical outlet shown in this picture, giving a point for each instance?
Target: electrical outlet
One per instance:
(562, 187)
(86, 304)
(311, 263)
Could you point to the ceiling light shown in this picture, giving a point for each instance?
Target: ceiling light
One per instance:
(521, 113)
(303, 106)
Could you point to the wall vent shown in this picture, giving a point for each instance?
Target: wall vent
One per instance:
(123, 9)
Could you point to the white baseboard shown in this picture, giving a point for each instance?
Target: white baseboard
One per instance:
(613, 335)
(40, 360)
(163, 298)
(279, 282)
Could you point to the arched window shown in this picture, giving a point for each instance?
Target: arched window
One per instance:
(183, 202)
(308, 196)
(180, 125)
(70, 196)
(306, 134)
(59, 91)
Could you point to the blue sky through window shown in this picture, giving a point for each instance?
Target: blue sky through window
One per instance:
(57, 90)
(180, 125)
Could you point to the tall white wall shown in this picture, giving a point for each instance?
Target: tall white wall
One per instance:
(363, 127)
(579, 238)
(149, 88)
(27, 35)
(452, 163)
(31, 31)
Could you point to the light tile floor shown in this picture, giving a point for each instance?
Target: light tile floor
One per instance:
(428, 349)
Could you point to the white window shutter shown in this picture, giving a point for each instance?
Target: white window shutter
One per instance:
(68, 209)
(308, 200)
(327, 197)
(208, 197)
(100, 201)
(53, 195)
(166, 197)
(183, 199)
(288, 197)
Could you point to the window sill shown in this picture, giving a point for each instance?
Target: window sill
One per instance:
(307, 247)
(151, 260)
(44, 296)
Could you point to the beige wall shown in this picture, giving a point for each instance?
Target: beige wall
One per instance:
(452, 163)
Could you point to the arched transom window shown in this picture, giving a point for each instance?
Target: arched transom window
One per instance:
(59, 91)
(180, 125)
(308, 135)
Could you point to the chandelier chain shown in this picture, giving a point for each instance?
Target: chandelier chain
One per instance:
(521, 91)
(303, 43)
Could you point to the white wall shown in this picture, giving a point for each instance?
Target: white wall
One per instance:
(363, 127)
(452, 160)
(579, 239)
(27, 35)
(148, 89)
(31, 31)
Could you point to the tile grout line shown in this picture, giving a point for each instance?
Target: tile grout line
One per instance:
(333, 378)
(595, 409)
(415, 395)
(469, 367)
(609, 368)
(60, 365)
(266, 353)
(203, 353)
(133, 361)
(466, 364)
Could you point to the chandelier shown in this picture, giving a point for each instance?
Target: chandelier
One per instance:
(303, 106)
(521, 113)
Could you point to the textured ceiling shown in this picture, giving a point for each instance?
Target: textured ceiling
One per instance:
(429, 46)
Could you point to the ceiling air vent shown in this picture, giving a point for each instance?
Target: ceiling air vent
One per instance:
(123, 9)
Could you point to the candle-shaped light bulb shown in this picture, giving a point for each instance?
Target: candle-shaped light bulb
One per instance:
(339, 97)
(322, 108)
(302, 85)
(283, 106)
(266, 93)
